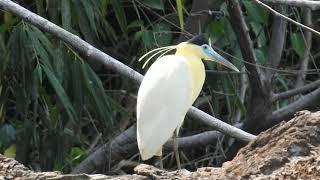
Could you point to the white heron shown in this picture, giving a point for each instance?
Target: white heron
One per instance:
(168, 90)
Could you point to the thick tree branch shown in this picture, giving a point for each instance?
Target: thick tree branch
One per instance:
(292, 92)
(195, 141)
(242, 32)
(121, 147)
(125, 145)
(286, 112)
(314, 5)
(259, 98)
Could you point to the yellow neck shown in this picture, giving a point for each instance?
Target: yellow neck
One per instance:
(196, 67)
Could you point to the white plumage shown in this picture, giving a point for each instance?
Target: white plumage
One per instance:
(168, 90)
(163, 101)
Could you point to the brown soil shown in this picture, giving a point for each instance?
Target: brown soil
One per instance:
(290, 150)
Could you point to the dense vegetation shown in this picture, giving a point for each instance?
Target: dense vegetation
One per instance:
(56, 108)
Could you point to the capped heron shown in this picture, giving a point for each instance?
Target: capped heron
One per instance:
(168, 90)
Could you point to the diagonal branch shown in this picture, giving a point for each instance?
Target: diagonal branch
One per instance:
(314, 5)
(239, 26)
(286, 112)
(287, 18)
(292, 92)
(259, 95)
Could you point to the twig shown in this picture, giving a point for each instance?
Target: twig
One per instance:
(287, 18)
(292, 92)
(314, 5)
(224, 72)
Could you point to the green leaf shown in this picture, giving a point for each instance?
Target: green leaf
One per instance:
(162, 34)
(155, 4)
(66, 14)
(180, 13)
(60, 93)
(216, 30)
(282, 80)
(104, 8)
(240, 105)
(76, 153)
(135, 24)
(259, 32)
(10, 152)
(120, 15)
(109, 30)
(297, 43)
(256, 12)
(260, 56)
(147, 39)
(89, 12)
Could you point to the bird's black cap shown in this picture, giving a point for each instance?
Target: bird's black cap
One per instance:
(199, 40)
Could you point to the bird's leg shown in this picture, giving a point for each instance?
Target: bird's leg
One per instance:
(175, 149)
(160, 162)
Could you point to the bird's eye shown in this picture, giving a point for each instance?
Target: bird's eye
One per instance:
(205, 46)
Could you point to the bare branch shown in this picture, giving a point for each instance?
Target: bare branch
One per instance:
(239, 26)
(292, 92)
(121, 147)
(286, 112)
(306, 55)
(198, 140)
(314, 5)
(287, 18)
(220, 125)
(125, 145)
(259, 98)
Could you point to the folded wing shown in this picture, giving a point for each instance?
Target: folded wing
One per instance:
(164, 98)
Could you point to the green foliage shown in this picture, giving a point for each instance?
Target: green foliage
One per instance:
(255, 12)
(56, 95)
(297, 42)
(156, 4)
(120, 15)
